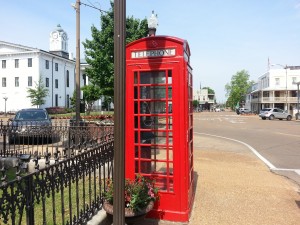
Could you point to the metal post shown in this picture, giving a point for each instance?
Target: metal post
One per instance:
(286, 91)
(5, 99)
(298, 95)
(119, 102)
(77, 110)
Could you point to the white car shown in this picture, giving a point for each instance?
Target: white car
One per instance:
(244, 110)
(274, 113)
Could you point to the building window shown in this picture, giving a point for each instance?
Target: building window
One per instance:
(56, 66)
(56, 99)
(68, 101)
(16, 81)
(84, 79)
(47, 82)
(3, 64)
(16, 63)
(3, 81)
(29, 81)
(294, 80)
(277, 81)
(56, 83)
(30, 62)
(47, 64)
(68, 78)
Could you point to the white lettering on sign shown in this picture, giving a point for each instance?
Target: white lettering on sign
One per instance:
(153, 53)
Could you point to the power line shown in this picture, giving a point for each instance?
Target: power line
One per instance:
(94, 7)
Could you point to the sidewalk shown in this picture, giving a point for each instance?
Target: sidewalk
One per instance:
(235, 187)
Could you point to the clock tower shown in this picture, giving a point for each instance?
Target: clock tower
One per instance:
(59, 42)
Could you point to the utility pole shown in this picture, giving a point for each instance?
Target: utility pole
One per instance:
(77, 87)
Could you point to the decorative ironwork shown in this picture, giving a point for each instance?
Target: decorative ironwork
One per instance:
(54, 176)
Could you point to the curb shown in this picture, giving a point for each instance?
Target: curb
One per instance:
(99, 219)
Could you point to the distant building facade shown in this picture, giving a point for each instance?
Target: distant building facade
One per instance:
(275, 88)
(206, 101)
(22, 67)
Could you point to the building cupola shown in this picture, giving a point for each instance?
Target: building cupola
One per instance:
(59, 42)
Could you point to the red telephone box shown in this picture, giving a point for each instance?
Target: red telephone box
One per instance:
(159, 121)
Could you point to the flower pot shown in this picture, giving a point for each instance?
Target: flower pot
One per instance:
(131, 216)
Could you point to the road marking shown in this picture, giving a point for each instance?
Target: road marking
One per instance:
(236, 121)
(294, 135)
(293, 170)
(270, 165)
(230, 120)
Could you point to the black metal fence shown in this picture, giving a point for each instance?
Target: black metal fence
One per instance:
(54, 175)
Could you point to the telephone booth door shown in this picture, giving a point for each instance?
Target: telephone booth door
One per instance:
(159, 126)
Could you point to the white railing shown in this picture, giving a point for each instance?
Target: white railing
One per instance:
(274, 100)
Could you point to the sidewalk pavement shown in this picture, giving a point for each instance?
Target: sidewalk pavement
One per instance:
(233, 187)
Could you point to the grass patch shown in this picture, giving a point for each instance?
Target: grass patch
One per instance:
(61, 205)
(73, 114)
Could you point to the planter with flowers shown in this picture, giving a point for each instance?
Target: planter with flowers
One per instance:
(140, 195)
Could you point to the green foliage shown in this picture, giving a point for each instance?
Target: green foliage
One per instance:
(37, 95)
(73, 101)
(138, 192)
(100, 50)
(237, 88)
(195, 103)
(209, 90)
(91, 93)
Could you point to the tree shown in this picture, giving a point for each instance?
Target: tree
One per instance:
(37, 95)
(209, 90)
(100, 50)
(73, 101)
(91, 93)
(237, 88)
(195, 103)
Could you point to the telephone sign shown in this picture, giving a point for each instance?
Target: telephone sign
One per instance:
(153, 53)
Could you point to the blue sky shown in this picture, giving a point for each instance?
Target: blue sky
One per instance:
(225, 36)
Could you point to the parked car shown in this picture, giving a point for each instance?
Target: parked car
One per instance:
(274, 113)
(244, 110)
(30, 124)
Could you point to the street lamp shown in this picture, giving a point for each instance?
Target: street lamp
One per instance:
(5, 99)
(119, 115)
(286, 91)
(152, 24)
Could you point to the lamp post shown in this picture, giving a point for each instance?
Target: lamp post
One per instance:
(286, 91)
(5, 99)
(119, 115)
(298, 100)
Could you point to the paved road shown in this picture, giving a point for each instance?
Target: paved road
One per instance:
(277, 142)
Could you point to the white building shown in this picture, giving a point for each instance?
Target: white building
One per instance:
(275, 88)
(206, 101)
(22, 67)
